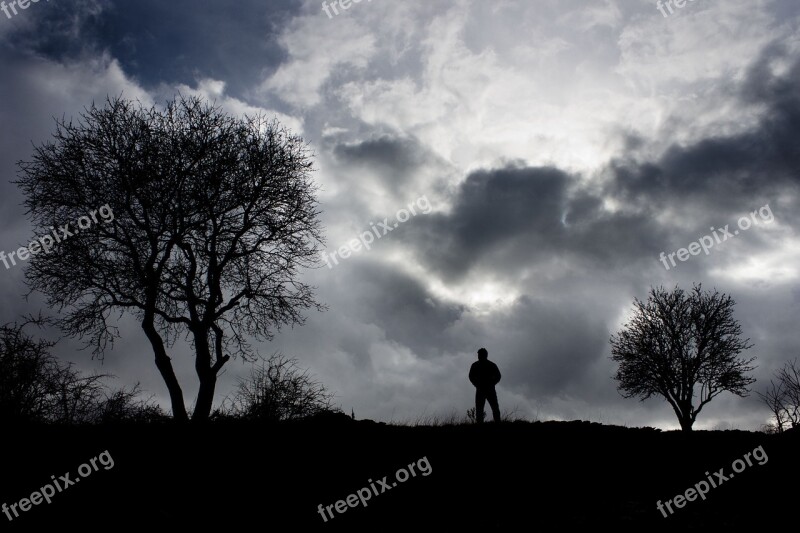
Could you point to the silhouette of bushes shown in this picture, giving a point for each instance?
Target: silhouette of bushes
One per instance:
(36, 387)
(278, 390)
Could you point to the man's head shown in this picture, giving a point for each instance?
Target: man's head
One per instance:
(483, 354)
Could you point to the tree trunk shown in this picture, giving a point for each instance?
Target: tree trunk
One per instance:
(164, 365)
(685, 414)
(205, 398)
(207, 373)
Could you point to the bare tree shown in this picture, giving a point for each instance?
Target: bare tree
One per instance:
(683, 347)
(278, 389)
(213, 217)
(774, 398)
(28, 375)
(783, 396)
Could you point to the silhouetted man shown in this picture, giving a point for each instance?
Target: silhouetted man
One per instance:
(484, 374)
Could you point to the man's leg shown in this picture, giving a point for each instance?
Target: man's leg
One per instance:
(492, 397)
(480, 401)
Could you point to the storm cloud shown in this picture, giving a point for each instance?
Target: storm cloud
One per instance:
(563, 145)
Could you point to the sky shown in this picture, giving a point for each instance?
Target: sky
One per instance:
(550, 150)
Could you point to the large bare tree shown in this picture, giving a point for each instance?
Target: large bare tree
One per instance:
(213, 218)
(684, 347)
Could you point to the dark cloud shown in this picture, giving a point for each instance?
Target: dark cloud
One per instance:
(568, 251)
(394, 161)
(156, 42)
(401, 306)
(731, 173)
(548, 349)
(494, 213)
(513, 218)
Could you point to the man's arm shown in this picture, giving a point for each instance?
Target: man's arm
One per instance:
(472, 375)
(496, 375)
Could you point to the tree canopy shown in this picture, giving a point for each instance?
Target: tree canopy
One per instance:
(683, 347)
(213, 219)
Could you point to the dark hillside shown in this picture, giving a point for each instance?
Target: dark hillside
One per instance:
(503, 478)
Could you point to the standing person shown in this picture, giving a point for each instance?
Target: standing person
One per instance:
(484, 374)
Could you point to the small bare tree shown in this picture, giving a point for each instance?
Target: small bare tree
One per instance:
(677, 342)
(783, 396)
(278, 389)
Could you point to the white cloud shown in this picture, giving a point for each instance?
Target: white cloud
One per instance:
(317, 47)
